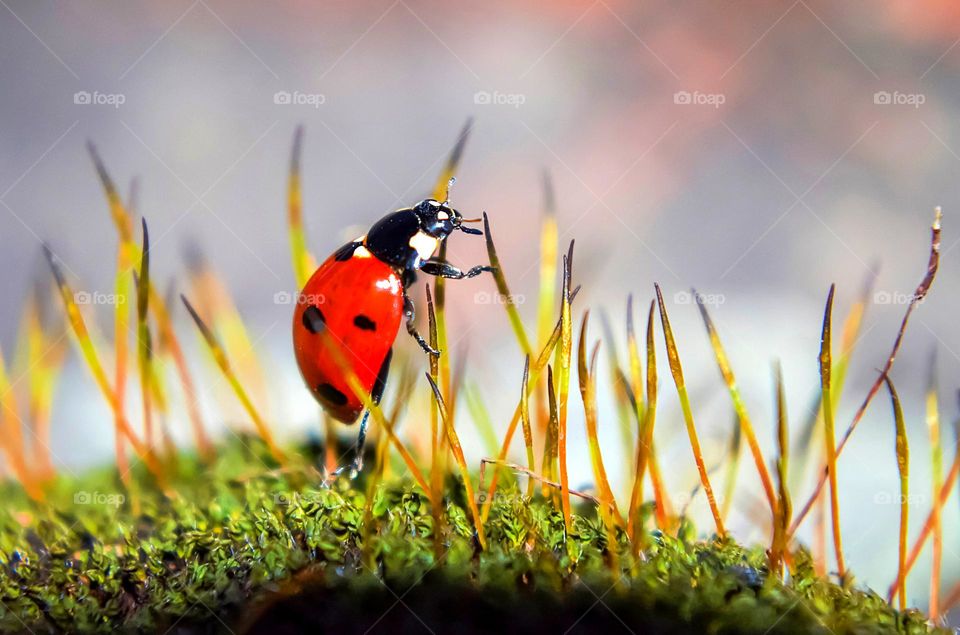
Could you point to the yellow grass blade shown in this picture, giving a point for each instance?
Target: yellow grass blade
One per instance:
(723, 362)
(563, 384)
(453, 440)
(535, 371)
(303, 261)
(826, 403)
(144, 352)
(919, 294)
(124, 225)
(437, 458)
(44, 359)
(223, 363)
(903, 467)
(732, 467)
(89, 353)
(548, 463)
(623, 403)
(546, 298)
(936, 470)
(645, 439)
(504, 290)
(121, 329)
(525, 419)
(588, 392)
(673, 357)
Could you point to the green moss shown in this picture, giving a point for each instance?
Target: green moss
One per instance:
(247, 547)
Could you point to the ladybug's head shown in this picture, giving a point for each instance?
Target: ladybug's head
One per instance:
(440, 220)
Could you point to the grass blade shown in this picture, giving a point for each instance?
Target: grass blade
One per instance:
(903, 467)
(588, 392)
(547, 294)
(723, 362)
(303, 261)
(89, 353)
(778, 547)
(525, 421)
(673, 357)
(563, 383)
(223, 363)
(453, 441)
(144, 352)
(936, 470)
(918, 295)
(504, 290)
(826, 365)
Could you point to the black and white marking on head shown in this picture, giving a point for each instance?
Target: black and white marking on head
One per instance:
(313, 319)
(364, 323)
(331, 395)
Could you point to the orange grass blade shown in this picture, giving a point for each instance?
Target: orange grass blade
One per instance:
(723, 362)
(44, 357)
(11, 435)
(504, 290)
(89, 353)
(673, 357)
(453, 440)
(826, 366)
(903, 467)
(303, 261)
(918, 295)
(588, 392)
(221, 360)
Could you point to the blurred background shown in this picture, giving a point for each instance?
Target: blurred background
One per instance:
(756, 151)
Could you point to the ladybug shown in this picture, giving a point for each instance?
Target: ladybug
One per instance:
(357, 298)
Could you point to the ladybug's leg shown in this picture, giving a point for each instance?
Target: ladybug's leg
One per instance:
(410, 314)
(446, 270)
(375, 395)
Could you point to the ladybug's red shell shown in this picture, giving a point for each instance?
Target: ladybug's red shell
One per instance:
(353, 303)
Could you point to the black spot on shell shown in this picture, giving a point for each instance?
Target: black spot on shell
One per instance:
(330, 394)
(364, 323)
(313, 319)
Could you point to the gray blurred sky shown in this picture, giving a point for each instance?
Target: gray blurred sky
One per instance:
(802, 176)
